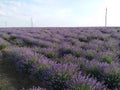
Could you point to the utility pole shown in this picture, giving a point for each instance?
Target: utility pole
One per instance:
(31, 20)
(106, 17)
(5, 24)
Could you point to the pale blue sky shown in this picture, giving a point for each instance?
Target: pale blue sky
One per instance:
(58, 12)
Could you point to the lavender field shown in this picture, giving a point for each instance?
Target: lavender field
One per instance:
(64, 58)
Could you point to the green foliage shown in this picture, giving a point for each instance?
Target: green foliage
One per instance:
(6, 38)
(106, 58)
(0, 87)
(3, 45)
(28, 43)
(51, 54)
(12, 37)
(102, 38)
(38, 71)
(28, 64)
(58, 79)
(118, 54)
(42, 45)
(81, 87)
(80, 64)
(111, 47)
(14, 40)
(77, 53)
(58, 60)
(9, 38)
(18, 42)
(39, 51)
(89, 56)
(112, 77)
(93, 71)
(67, 59)
(63, 51)
(83, 39)
(98, 50)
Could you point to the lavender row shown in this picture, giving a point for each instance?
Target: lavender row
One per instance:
(72, 37)
(3, 44)
(55, 76)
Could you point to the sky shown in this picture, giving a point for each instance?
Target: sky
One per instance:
(58, 13)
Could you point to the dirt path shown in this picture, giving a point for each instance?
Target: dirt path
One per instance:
(10, 79)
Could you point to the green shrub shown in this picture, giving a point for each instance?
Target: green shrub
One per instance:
(98, 50)
(3, 45)
(89, 56)
(6, 38)
(77, 53)
(18, 42)
(63, 51)
(106, 58)
(12, 37)
(27, 65)
(59, 80)
(102, 38)
(81, 64)
(118, 55)
(111, 76)
(67, 58)
(83, 39)
(81, 87)
(39, 69)
(51, 54)
(93, 71)
(39, 51)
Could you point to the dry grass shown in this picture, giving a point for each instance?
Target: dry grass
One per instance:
(10, 79)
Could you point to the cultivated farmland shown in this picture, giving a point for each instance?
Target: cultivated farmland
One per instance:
(61, 58)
